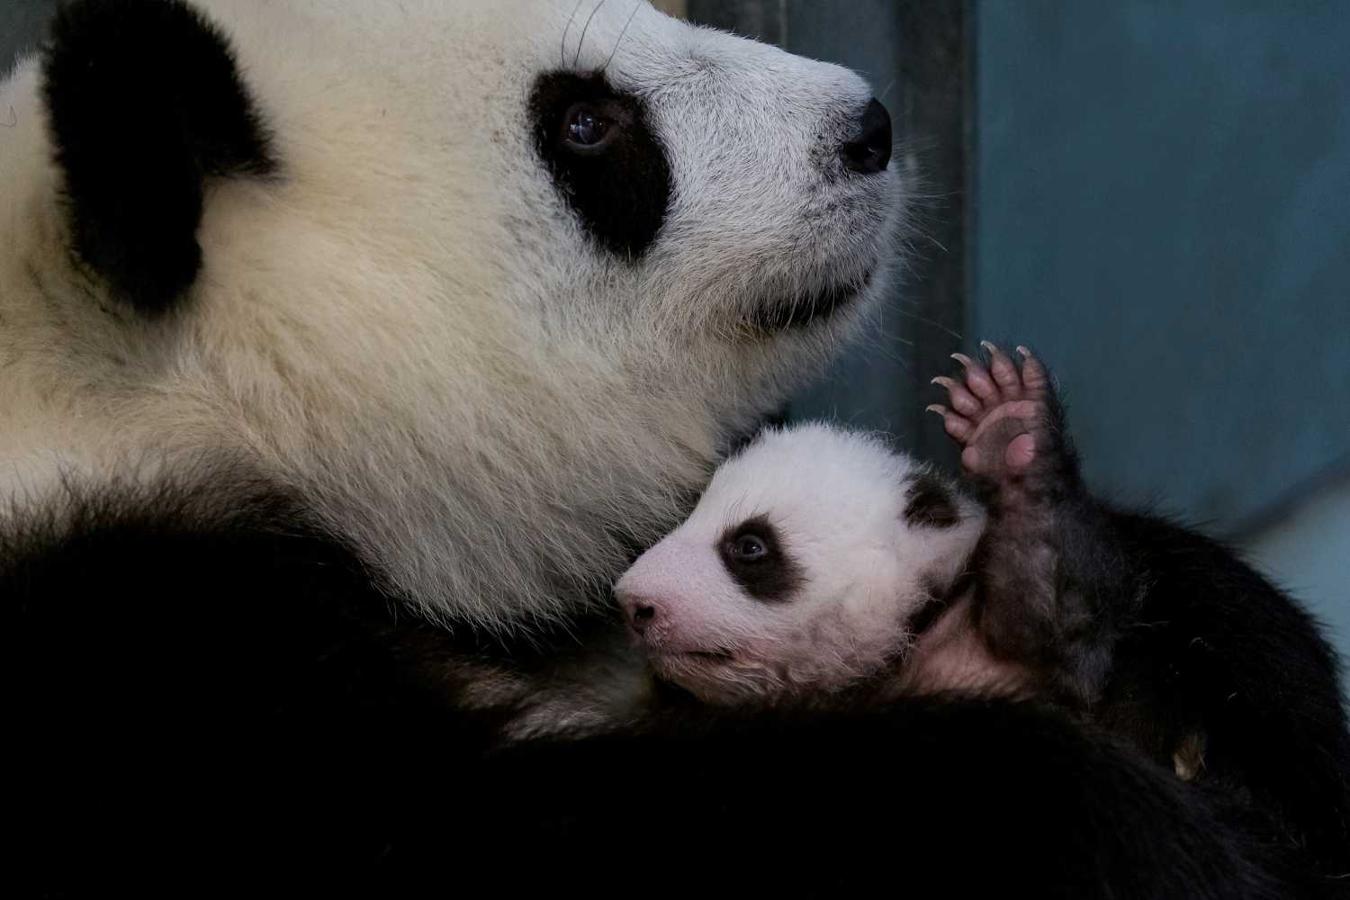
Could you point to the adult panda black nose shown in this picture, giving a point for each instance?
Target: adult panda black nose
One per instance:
(868, 151)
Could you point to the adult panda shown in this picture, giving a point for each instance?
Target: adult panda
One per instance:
(331, 332)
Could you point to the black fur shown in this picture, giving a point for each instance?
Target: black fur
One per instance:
(144, 104)
(929, 503)
(936, 797)
(1168, 638)
(776, 576)
(200, 699)
(619, 188)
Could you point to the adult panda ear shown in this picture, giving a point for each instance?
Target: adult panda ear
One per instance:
(144, 103)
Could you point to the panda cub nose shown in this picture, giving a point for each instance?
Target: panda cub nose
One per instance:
(641, 615)
(869, 150)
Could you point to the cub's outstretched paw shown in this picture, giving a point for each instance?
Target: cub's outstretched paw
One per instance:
(999, 414)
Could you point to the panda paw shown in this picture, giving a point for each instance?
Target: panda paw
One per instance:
(1000, 413)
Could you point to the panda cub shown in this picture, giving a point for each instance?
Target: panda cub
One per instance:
(821, 568)
(819, 562)
(810, 566)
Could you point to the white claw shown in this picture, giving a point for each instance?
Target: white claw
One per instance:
(1024, 351)
(988, 346)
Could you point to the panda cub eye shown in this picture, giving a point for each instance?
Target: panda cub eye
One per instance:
(749, 548)
(756, 558)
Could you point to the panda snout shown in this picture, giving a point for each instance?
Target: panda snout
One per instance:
(868, 151)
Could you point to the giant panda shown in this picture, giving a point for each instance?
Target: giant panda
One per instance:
(342, 341)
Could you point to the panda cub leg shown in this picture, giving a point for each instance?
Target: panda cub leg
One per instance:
(1049, 592)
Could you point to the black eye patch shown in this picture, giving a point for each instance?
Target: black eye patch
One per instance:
(600, 149)
(755, 558)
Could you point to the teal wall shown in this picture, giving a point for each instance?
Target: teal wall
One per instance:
(1162, 205)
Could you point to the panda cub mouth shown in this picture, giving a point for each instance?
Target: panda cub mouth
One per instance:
(673, 664)
(711, 655)
(809, 309)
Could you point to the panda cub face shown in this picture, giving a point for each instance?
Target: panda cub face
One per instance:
(490, 284)
(802, 569)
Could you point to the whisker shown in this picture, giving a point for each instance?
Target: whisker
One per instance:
(610, 58)
(562, 50)
(938, 325)
(581, 42)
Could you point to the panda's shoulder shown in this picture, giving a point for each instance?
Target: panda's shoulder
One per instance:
(211, 584)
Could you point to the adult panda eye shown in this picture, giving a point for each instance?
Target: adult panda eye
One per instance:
(585, 128)
(604, 157)
(749, 548)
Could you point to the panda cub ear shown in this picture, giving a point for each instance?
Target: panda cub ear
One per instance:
(144, 102)
(930, 503)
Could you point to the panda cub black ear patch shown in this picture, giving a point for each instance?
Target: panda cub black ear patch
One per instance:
(929, 503)
(144, 103)
(604, 157)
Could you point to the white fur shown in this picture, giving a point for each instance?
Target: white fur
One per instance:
(408, 323)
(837, 500)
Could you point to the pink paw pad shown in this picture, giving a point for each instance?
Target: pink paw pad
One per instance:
(995, 410)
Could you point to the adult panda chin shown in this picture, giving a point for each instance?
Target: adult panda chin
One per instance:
(812, 308)
(327, 326)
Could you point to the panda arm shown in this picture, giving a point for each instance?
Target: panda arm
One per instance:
(1219, 655)
(1055, 586)
(1165, 635)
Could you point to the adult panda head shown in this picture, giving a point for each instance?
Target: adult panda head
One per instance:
(489, 285)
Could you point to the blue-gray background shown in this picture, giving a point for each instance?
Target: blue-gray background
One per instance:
(1160, 201)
